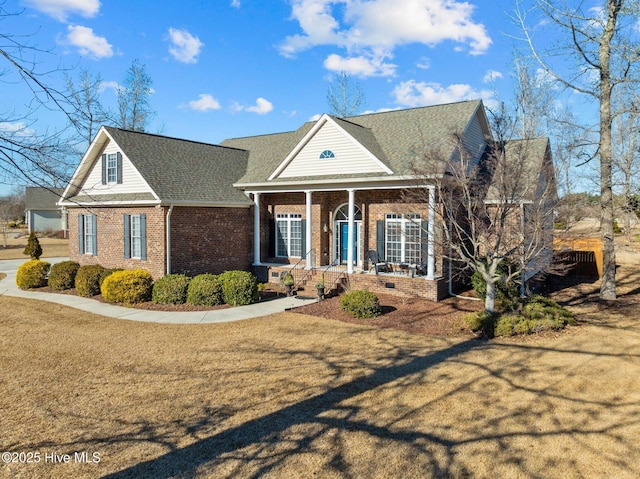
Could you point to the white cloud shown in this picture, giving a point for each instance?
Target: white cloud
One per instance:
(185, 47)
(88, 43)
(17, 128)
(262, 107)
(360, 66)
(113, 85)
(424, 63)
(373, 29)
(205, 102)
(235, 3)
(491, 76)
(414, 94)
(61, 9)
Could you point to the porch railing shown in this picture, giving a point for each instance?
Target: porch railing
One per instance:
(300, 272)
(332, 275)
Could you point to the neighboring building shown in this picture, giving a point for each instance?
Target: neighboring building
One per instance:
(42, 212)
(324, 194)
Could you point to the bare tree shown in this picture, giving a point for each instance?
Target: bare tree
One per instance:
(11, 209)
(495, 215)
(345, 96)
(87, 114)
(597, 51)
(28, 155)
(134, 105)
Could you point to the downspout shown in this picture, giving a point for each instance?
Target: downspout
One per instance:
(168, 240)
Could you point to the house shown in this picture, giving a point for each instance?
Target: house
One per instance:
(42, 212)
(325, 194)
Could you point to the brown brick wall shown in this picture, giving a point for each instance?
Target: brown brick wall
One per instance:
(211, 240)
(110, 239)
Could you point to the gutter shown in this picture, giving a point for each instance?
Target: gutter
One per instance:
(168, 240)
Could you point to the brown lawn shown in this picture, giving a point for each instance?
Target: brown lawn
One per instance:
(293, 395)
(51, 247)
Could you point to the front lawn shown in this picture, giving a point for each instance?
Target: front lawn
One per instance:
(292, 395)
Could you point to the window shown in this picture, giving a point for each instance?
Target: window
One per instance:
(135, 236)
(327, 154)
(403, 238)
(289, 235)
(111, 168)
(87, 235)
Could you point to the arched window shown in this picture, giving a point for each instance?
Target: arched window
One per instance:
(327, 154)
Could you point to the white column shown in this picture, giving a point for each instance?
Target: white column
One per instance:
(350, 231)
(309, 254)
(256, 228)
(431, 263)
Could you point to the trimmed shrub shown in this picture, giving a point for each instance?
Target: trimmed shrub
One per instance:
(33, 248)
(533, 315)
(127, 286)
(63, 275)
(238, 287)
(107, 272)
(32, 274)
(170, 289)
(361, 304)
(88, 280)
(205, 290)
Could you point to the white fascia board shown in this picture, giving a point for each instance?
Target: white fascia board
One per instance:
(100, 204)
(386, 183)
(83, 168)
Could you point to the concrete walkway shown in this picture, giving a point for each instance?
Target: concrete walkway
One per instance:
(8, 287)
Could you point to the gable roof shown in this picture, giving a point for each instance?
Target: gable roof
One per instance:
(43, 199)
(176, 170)
(397, 138)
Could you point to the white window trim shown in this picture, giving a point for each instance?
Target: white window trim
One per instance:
(287, 218)
(403, 220)
(89, 235)
(112, 169)
(133, 238)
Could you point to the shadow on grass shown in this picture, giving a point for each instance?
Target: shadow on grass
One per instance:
(264, 432)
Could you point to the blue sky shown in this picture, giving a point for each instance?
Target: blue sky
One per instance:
(232, 68)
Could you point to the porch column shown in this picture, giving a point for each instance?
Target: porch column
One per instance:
(308, 233)
(256, 228)
(431, 263)
(350, 230)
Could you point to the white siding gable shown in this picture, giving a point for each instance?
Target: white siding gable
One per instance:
(132, 180)
(350, 156)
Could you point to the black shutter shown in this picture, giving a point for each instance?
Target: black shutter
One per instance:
(127, 236)
(380, 226)
(272, 238)
(119, 168)
(80, 234)
(143, 237)
(104, 169)
(303, 225)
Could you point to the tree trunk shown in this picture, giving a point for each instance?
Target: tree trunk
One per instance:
(608, 285)
(490, 299)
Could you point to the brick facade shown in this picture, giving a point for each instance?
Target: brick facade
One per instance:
(110, 239)
(203, 240)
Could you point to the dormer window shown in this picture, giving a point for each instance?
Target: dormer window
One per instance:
(327, 154)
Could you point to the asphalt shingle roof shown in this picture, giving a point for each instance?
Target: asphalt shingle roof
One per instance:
(37, 198)
(397, 138)
(183, 170)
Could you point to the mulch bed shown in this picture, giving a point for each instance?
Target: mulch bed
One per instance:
(418, 316)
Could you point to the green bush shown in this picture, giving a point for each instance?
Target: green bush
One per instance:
(616, 228)
(361, 304)
(63, 275)
(170, 289)
(205, 290)
(108, 272)
(33, 248)
(88, 280)
(532, 315)
(127, 286)
(238, 287)
(32, 274)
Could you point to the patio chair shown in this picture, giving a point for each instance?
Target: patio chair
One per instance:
(376, 262)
